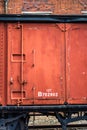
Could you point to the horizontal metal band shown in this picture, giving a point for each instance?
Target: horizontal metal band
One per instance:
(43, 18)
(49, 108)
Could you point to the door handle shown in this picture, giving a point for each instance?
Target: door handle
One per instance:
(33, 53)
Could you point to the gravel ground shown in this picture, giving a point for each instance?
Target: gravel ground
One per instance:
(44, 120)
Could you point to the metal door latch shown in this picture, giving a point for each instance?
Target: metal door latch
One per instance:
(24, 82)
(11, 81)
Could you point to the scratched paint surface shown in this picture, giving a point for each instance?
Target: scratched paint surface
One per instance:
(76, 40)
(47, 63)
(36, 64)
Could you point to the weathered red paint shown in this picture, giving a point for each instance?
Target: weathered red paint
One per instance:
(3, 66)
(43, 64)
(35, 73)
(76, 62)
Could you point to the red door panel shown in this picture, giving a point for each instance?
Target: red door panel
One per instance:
(15, 63)
(36, 64)
(76, 62)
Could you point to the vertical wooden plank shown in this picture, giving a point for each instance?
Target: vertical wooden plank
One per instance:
(2, 63)
(76, 61)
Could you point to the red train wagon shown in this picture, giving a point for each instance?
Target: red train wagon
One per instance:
(43, 68)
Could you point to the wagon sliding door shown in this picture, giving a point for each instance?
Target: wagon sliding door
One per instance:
(76, 62)
(35, 64)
